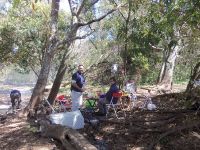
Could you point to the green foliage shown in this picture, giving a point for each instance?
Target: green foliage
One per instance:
(7, 40)
(155, 22)
(16, 3)
(140, 61)
(27, 28)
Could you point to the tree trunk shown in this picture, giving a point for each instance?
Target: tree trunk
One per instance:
(47, 59)
(193, 84)
(59, 77)
(41, 82)
(62, 68)
(165, 79)
(161, 73)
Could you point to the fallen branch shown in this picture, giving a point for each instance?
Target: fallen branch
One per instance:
(171, 131)
(138, 130)
(70, 139)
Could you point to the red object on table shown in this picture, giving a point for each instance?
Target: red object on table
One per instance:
(61, 97)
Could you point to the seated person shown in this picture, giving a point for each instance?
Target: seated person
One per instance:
(106, 98)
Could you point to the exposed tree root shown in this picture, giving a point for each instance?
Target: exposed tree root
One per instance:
(173, 130)
(169, 111)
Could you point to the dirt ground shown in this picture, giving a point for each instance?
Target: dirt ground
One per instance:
(16, 133)
(167, 128)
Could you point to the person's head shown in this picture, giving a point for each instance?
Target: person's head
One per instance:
(81, 68)
(112, 80)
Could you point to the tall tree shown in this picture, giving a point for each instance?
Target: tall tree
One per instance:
(54, 43)
(166, 26)
(48, 56)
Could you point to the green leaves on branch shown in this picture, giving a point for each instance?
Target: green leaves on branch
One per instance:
(16, 3)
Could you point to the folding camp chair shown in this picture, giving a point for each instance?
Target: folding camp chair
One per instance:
(114, 106)
(63, 103)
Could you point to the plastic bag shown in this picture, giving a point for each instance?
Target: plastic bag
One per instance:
(72, 119)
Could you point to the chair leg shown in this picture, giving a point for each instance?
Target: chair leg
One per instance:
(115, 112)
(107, 111)
(123, 110)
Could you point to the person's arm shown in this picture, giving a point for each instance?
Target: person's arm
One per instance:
(74, 79)
(76, 86)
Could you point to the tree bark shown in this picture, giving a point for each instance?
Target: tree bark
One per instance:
(165, 79)
(59, 77)
(193, 87)
(161, 73)
(69, 138)
(41, 83)
(194, 77)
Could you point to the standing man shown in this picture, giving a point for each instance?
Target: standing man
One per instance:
(77, 88)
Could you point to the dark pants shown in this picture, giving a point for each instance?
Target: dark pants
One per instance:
(102, 105)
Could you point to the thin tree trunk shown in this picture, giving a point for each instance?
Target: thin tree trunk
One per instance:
(161, 74)
(62, 68)
(41, 83)
(59, 77)
(194, 77)
(126, 40)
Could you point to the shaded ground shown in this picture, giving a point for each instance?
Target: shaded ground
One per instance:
(140, 130)
(16, 134)
(171, 127)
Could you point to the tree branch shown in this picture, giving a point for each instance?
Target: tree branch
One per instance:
(91, 4)
(100, 18)
(119, 11)
(82, 37)
(156, 48)
(70, 6)
(80, 8)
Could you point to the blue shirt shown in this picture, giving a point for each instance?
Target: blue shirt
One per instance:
(80, 81)
(113, 89)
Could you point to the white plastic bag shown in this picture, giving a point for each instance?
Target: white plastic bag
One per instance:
(151, 106)
(72, 119)
(4, 109)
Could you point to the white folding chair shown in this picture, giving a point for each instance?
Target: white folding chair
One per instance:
(133, 98)
(116, 105)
